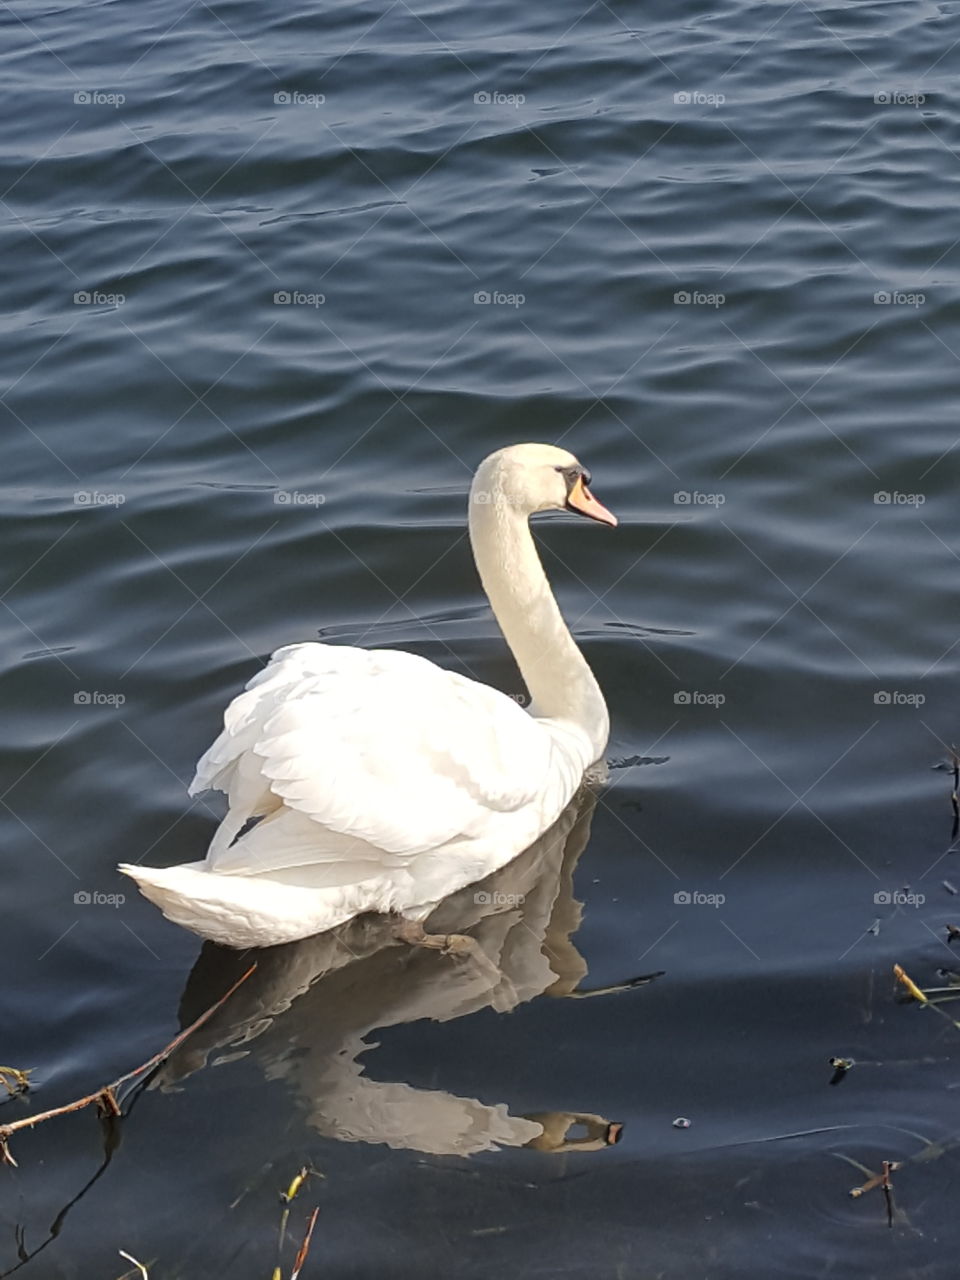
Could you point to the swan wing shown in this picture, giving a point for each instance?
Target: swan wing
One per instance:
(378, 745)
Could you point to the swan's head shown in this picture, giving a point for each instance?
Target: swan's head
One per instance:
(537, 477)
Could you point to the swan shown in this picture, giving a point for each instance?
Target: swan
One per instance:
(374, 781)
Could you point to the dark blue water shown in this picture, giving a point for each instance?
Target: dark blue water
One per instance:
(276, 280)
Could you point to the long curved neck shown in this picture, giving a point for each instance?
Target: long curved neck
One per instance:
(560, 682)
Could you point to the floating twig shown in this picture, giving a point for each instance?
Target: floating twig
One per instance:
(908, 982)
(105, 1098)
(286, 1199)
(887, 1185)
(883, 1180)
(304, 1249)
(921, 996)
(876, 1179)
(139, 1265)
(298, 1180)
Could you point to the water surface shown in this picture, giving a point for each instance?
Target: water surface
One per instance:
(248, 371)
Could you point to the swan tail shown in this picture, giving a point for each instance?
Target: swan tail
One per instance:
(241, 912)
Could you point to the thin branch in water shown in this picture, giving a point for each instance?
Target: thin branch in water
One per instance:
(286, 1199)
(139, 1265)
(305, 1247)
(884, 1181)
(876, 1180)
(105, 1098)
(887, 1185)
(906, 981)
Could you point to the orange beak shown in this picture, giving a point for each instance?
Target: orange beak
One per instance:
(581, 499)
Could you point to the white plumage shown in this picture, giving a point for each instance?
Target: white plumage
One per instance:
(373, 780)
(407, 755)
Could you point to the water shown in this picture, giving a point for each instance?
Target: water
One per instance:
(813, 229)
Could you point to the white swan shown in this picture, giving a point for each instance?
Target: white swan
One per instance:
(382, 782)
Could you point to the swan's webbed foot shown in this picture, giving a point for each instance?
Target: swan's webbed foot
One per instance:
(451, 944)
(462, 947)
(501, 992)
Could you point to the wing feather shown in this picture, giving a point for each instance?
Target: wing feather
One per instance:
(379, 745)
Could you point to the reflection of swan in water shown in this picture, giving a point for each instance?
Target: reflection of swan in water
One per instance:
(307, 1010)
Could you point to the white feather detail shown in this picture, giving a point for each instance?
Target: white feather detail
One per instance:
(377, 745)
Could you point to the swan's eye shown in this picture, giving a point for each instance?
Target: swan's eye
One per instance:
(573, 473)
